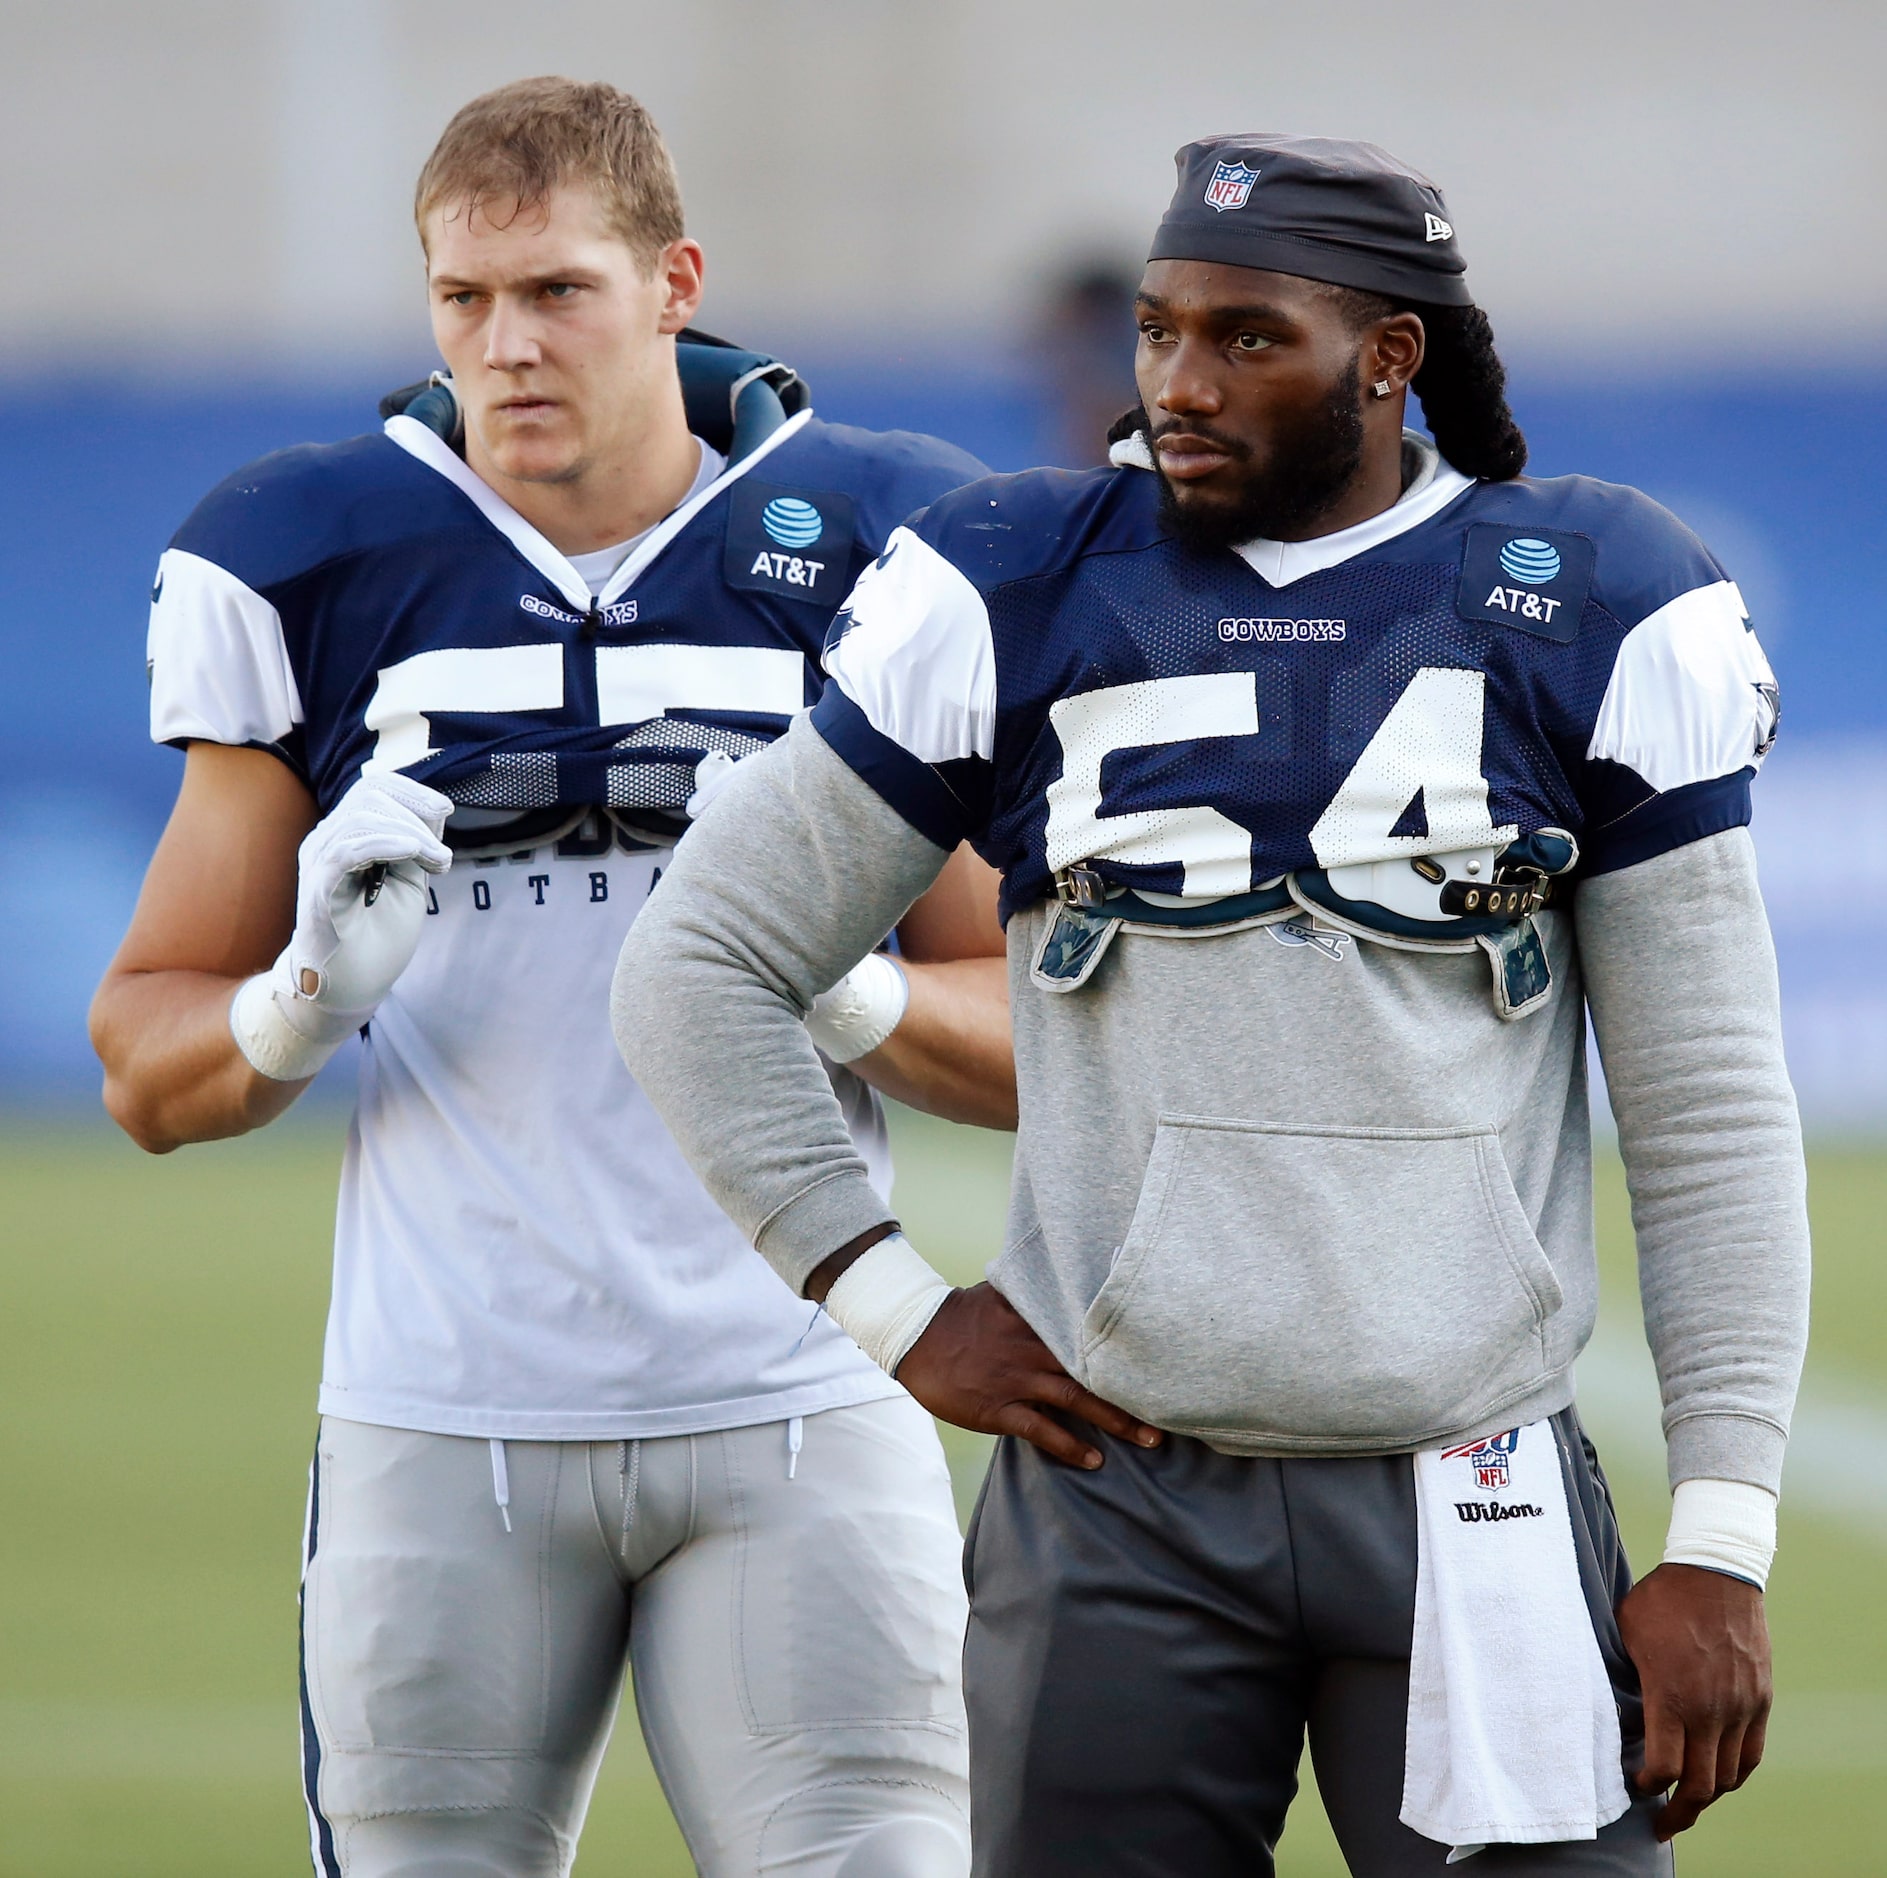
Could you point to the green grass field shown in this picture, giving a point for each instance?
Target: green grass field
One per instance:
(159, 1343)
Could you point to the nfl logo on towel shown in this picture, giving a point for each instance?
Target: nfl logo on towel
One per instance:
(1488, 1459)
(1230, 185)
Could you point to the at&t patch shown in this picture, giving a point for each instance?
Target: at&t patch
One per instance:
(1534, 579)
(796, 543)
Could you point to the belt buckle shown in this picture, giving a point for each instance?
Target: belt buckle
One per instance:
(1534, 884)
(1081, 886)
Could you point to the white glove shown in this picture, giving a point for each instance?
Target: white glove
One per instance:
(712, 774)
(861, 1010)
(359, 903)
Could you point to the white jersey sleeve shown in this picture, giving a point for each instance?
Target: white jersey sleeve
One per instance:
(217, 659)
(1691, 697)
(914, 654)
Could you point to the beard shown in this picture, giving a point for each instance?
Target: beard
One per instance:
(1310, 464)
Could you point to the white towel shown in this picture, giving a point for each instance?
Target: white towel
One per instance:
(1513, 1727)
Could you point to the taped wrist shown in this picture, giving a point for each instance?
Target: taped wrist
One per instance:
(283, 1037)
(861, 1010)
(884, 1300)
(1724, 1526)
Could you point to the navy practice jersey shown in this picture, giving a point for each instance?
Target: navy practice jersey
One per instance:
(1036, 665)
(424, 626)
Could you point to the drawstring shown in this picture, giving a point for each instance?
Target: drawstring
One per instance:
(795, 1440)
(629, 1471)
(501, 1481)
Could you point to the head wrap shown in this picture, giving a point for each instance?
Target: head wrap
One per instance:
(1318, 207)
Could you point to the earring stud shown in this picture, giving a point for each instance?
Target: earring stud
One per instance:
(1382, 387)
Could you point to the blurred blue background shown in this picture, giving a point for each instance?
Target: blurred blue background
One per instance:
(1671, 211)
(1781, 472)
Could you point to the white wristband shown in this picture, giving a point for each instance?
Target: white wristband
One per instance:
(1724, 1526)
(861, 1010)
(884, 1300)
(272, 1045)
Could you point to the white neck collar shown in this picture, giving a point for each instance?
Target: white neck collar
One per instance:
(1434, 485)
(431, 449)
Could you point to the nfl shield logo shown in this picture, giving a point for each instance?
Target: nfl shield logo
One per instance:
(1230, 185)
(1488, 1459)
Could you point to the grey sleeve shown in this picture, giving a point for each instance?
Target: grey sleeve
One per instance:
(797, 871)
(1681, 976)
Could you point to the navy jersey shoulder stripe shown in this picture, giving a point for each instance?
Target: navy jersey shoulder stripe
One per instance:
(917, 790)
(1672, 820)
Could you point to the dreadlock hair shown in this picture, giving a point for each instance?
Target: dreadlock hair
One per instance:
(1462, 383)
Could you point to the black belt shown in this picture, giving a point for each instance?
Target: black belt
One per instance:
(1501, 899)
(1511, 900)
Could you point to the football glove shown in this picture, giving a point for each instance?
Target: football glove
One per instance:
(360, 899)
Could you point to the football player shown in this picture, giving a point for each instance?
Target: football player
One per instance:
(450, 693)
(1335, 772)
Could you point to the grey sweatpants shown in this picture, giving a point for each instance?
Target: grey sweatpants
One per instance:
(1149, 1645)
(794, 1621)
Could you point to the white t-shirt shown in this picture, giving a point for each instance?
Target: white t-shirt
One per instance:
(600, 564)
(521, 1250)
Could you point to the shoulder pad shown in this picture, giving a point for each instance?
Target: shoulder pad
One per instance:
(285, 513)
(1008, 528)
(735, 399)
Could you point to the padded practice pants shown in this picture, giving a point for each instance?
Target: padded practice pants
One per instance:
(794, 1639)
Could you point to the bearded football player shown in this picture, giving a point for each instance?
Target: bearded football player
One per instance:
(451, 693)
(1335, 773)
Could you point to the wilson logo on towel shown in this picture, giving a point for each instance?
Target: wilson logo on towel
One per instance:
(1473, 1511)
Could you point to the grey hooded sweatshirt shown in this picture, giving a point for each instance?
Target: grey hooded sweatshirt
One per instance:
(1292, 1198)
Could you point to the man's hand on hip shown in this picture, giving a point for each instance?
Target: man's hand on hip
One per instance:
(979, 1365)
(1700, 1640)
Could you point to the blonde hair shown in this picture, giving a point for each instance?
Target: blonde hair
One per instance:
(517, 144)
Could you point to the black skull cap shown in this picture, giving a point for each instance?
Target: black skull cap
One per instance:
(1322, 208)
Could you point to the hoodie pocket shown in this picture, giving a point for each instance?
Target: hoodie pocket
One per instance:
(1322, 1287)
